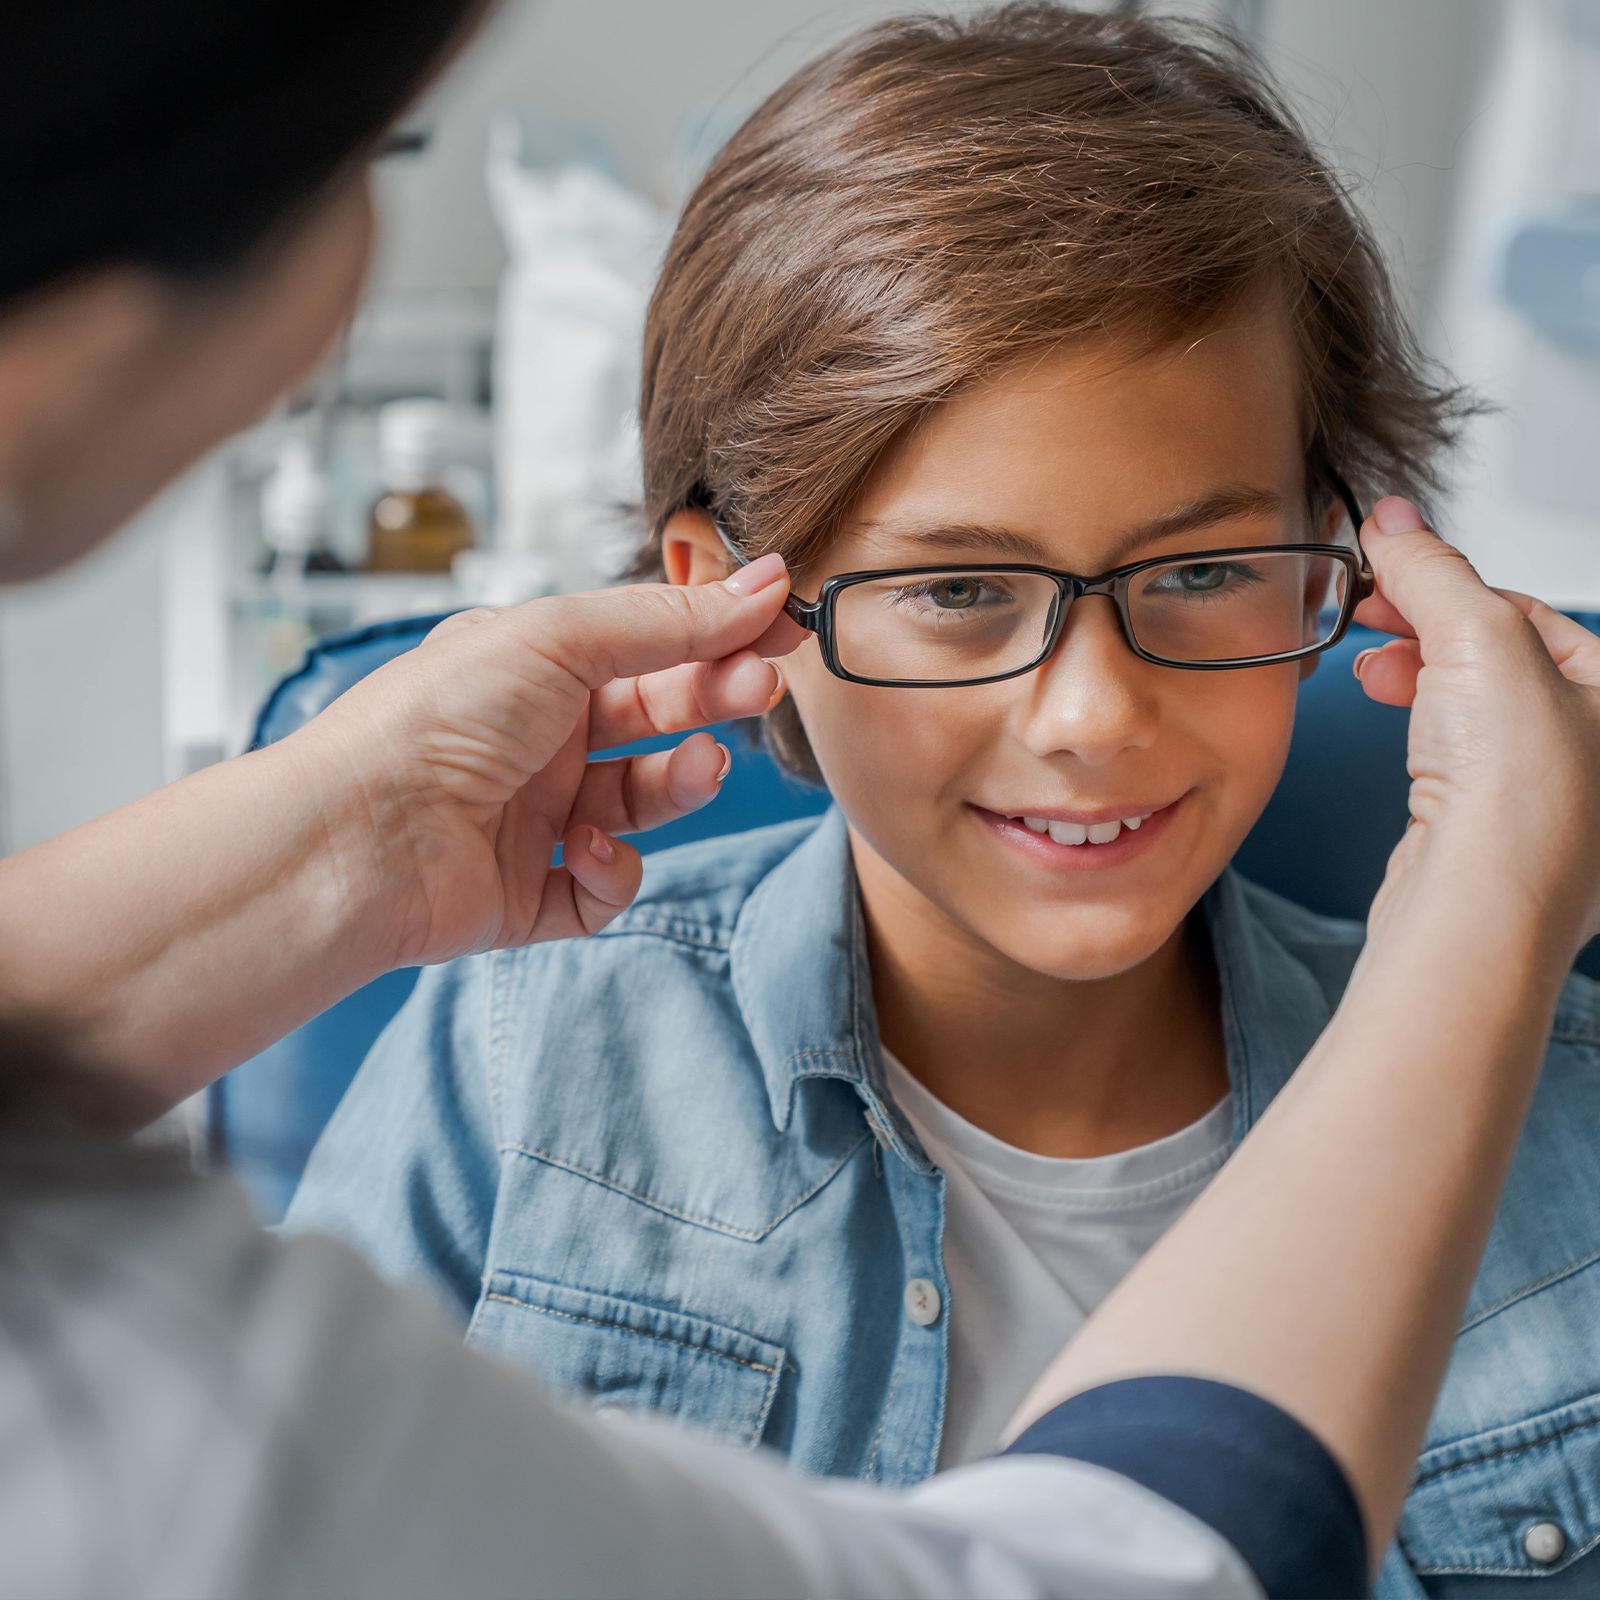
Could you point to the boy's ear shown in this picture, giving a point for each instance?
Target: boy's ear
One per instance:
(691, 552)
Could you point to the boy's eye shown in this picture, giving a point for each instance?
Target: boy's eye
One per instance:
(954, 594)
(1203, 577)
(964, 593)
(1210, 575)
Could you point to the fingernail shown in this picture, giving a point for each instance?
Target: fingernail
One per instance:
(727, 762)
(600, 847)
(762, 571)
(777, 686)
(1395, 514)
(1359, 665)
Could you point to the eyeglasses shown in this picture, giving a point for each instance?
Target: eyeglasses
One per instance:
(955, 625)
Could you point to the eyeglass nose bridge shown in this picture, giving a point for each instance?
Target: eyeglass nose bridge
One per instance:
(1069, 590)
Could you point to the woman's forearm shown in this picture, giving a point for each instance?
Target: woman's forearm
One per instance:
(146, 952)
(1327, 1266)
(414, 820)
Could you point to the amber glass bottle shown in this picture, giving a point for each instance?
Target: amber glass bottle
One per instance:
(417, 525)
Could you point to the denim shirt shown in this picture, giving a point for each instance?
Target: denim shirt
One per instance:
(660, 1168)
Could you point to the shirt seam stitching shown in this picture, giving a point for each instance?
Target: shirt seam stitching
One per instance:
(695, 935)
(1435, 1473)
(496, 1019)
(1527, 1290)
(637, 1333)
(714, 1224)
(1570, 1033)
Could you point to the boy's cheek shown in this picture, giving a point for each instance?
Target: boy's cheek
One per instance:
(1244, 729)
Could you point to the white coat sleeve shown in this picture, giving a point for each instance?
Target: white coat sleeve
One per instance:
(194, 1407)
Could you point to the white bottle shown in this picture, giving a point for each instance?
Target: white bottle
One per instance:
(294, 513)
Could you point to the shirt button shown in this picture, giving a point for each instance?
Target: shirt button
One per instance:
(1545, 1542)
(610, 1412)
(922, 1302)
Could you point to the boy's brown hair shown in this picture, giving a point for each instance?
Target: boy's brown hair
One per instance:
(938, 197)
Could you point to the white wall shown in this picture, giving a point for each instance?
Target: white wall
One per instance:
(638, 71)
(80, 689)
(1527, 508)
(1389, 85)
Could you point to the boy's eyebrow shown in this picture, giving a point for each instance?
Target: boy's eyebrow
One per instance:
(1221, 505)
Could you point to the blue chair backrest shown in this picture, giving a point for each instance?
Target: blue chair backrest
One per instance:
(1323, 841)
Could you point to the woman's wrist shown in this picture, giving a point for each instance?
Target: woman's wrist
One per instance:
(358, 876)
(1451, 891)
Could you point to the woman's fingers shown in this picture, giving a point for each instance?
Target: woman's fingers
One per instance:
(1424, 582)
(1388, 674)
(1573, 648)
(636, 793)
(1379, 613)
(652, 627)
(597, 880)
(1429, 584)
(740, 685)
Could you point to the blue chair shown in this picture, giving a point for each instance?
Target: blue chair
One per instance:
(1323, 841)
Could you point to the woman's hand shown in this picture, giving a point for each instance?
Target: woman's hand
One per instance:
(1504, 745)
(416, 819)
(467, 759)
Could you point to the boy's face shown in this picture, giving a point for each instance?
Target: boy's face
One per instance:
(1074, 451)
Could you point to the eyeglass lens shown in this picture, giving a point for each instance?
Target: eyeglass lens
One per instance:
(944, 627)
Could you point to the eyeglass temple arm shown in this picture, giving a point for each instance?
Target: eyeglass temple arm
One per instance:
(808, 613)
(1366, 583)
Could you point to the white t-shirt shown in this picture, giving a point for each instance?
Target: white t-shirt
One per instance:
(1032, 1244)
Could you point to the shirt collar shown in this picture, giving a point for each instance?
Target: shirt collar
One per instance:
(803, 984)
(1273, 1007)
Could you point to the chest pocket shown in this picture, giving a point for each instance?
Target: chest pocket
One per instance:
(1492, 1512)
(618, 1352)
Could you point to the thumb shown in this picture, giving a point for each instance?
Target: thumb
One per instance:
(643, 628)
(1430, 583)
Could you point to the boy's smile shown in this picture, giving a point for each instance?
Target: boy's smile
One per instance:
(1080, 840)
(1066, 821)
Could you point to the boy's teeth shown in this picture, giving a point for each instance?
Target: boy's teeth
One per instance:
(1080, 833)
(1069, 833)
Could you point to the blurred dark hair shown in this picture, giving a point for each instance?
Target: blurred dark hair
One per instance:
(179, 135)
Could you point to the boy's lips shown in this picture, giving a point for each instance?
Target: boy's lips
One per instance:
(1061, 838)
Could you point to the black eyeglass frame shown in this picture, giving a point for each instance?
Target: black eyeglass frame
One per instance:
(817, 616)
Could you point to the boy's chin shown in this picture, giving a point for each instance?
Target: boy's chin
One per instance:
(1088, 947)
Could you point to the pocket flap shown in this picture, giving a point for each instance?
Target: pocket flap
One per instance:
(1519, 1501)
(621, 1352)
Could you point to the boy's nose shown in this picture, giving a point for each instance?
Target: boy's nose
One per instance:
(1094, 698)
